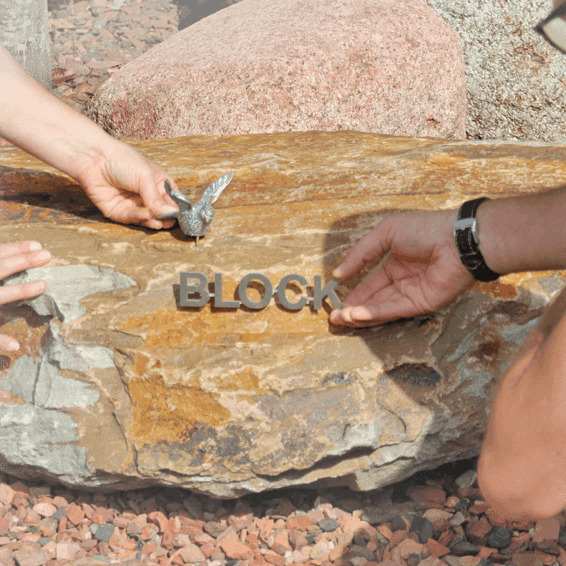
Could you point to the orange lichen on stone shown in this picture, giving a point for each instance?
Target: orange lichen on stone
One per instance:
(170, 337)
(27, 328)
(246, 379)
(8, 398)
(498, 290)
(163, 414)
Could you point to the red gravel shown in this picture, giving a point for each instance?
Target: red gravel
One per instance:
(433, 519)
(90, 40)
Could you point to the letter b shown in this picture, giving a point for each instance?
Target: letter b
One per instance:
(201, 289)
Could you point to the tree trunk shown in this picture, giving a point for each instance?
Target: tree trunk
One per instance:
(24, 32)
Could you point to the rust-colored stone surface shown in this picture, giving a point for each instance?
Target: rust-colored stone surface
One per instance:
(116, 386)
(261, 66)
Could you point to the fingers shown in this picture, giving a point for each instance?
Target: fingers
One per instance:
(362, 316)
(155, 202)
(14, 258)
(8, 344)
(130, 210)
(372, 245)
(12, 249)
(155, 198)
(21, 256)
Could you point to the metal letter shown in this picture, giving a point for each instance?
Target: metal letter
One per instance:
(281, 292)
(200, 289)
(243, 292)
(218, 302)
(328, 291)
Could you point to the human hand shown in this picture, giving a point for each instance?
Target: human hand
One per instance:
(421, 272)
(126, 186)
(13, 259)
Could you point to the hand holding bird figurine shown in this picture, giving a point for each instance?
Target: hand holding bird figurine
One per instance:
(195, 219)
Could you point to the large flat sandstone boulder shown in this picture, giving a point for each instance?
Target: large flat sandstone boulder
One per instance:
(261, 66)
(118, 386)
(515, 79)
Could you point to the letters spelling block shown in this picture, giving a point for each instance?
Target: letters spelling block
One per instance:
(279, 295)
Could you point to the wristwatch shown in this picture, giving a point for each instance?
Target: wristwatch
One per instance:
(467, 241)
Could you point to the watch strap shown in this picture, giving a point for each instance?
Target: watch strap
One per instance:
(465, 234)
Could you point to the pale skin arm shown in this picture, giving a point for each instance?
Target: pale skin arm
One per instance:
(126, 186)
(522, 467)
(423, 272)
(123, 184)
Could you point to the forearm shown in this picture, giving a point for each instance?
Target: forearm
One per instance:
(39, 123)
(524, 233)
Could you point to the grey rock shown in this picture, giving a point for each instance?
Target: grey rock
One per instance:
(423, 528)
(67, 286)
(58, 514)
(241, 402)
(357, 550)
(467, 479)
(104, 532)
(500, 538)
(398, 524)
(515, 79)
(378, 515)
(458, 519)
(464, 548)
(328, 525)
(463, 505)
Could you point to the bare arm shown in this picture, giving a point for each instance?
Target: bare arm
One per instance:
(123, 184)
(39, 123)
(524, 233)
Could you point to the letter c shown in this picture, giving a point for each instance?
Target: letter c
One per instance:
(281, 292)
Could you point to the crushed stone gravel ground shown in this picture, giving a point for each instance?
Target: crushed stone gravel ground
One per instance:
(434, 518)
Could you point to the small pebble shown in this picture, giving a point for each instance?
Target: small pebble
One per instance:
(423, 528)
(377, 515)
(462, 505)
(104, 532)
(328, 525)
(458, 519)
(58, 514)
(500, 538)
(398, 524)
(464, 549)
(467, 479)
(363, 552)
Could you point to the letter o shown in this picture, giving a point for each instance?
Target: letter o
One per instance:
(243, 291)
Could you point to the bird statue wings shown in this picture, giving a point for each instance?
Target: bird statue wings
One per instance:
(195, 219)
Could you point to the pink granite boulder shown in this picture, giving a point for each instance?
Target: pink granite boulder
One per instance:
(380, 66)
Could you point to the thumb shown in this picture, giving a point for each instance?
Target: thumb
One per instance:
(155, 198)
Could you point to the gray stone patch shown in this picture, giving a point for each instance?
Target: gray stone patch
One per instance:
(479, 380)
(415, 374)
(38, 381)
(36, 437)
(552, 284)
(517, 333)
(464, 345)
(67, 285)
(358, 435)
(76, 357)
